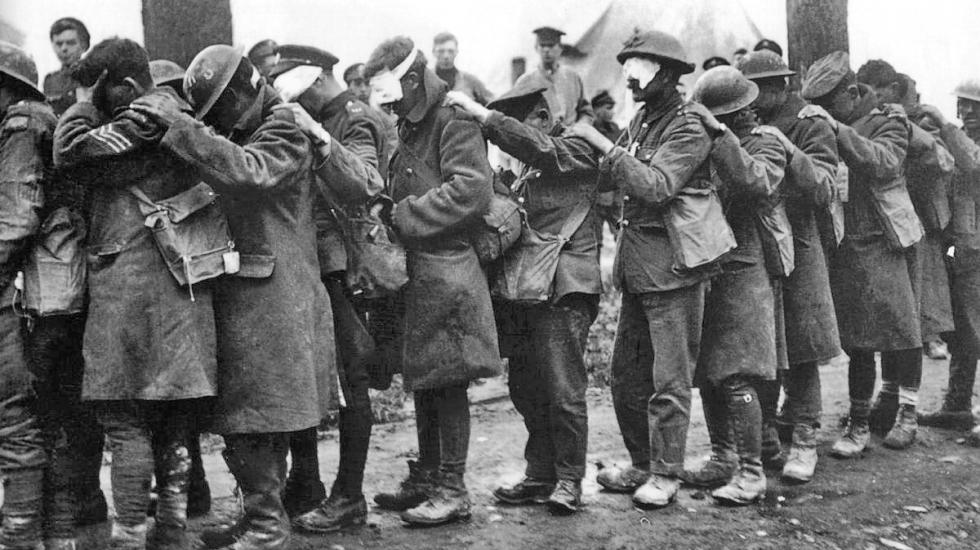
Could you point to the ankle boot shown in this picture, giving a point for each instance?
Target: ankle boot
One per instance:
(748, 486)
(22, 508)
(451, 502)
(617, 479)
(127, 537)
(334, 514)
(802, 459)
(854, 440)
(723, 463)
(414, 490)
(902, 434)
(883, 412)
(955, 413)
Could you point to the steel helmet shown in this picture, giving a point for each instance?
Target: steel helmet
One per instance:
(658, 45)
(763, 64)
(724, 90)
(17, 64)
(209, 74)
(968, 89)
(164, 71)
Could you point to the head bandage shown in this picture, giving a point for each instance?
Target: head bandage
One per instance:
(386, 86)
(640, 69)
(292, 83)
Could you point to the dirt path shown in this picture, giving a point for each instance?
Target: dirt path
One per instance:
(851, 504)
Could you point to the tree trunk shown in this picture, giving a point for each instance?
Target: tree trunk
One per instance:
(815, 28)
(178, 29)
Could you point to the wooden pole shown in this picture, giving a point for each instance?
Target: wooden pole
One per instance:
(815, 28)
(178, 29)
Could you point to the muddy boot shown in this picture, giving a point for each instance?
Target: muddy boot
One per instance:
(170, 528)
(622, 480)
(955, 413)
(566, 498)
(414, 490)
(127, 537)
(854, 440)
(450, 502)
(883, 412)
(302, 495)
(720, 468)
(745, 421)
(528, 491)
(334, 514)
(169, 537)
(658, 491)
(22, 509)
(304, 489)
(802, 459)
(748, 486)
(902, 434)
(973, 438)
(259, 464)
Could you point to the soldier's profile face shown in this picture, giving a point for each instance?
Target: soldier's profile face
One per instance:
(445, 54)
(969, 112)
(604, 112)
(68, 46)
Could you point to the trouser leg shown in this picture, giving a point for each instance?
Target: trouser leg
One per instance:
(453, 409)
(861, 383)
(528, 387)
(427, 429)
(744, 414)
(632, 378)
(674, 322)
(22, 464)
(355, 433)
(170, 426)
(803, 399)
(561, 333)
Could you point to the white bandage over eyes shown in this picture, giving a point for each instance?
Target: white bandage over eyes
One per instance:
(292, 83)
(641, 70)
(386, 86)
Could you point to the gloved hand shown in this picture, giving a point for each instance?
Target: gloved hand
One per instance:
(713, 125)
(773, 131)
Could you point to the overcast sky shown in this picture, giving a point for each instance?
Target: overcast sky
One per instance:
(933, 41)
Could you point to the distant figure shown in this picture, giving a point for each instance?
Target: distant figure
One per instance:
(771, 45)
(263, 56)
(356, 83)
(565, 93)
(445, 47)
(602, 106)
(713, 62)
(738, 54)
(69, 40)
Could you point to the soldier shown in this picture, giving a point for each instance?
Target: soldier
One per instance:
(355, 142)
(276, 363)
(546, 342)
(738, 350)
(870, 273)
(445, 46)
(811, 324)
(956, 412)
(441, 184)
(565, 89)
(928, 169)
(664, 152)
(263, 56)
(69, 40)
(609, 204)
(357, 84)
(26, 126)
(149, 348)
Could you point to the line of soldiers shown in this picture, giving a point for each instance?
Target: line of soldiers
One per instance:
(748, 254)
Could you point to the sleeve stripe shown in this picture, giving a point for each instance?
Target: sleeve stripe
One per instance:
(121, 143)
(109, 144)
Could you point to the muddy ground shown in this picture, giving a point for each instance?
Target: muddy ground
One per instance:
(927, 497)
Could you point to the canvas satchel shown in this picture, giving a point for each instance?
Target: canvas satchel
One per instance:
(191, 232)
(54, 275)
(697, 228)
